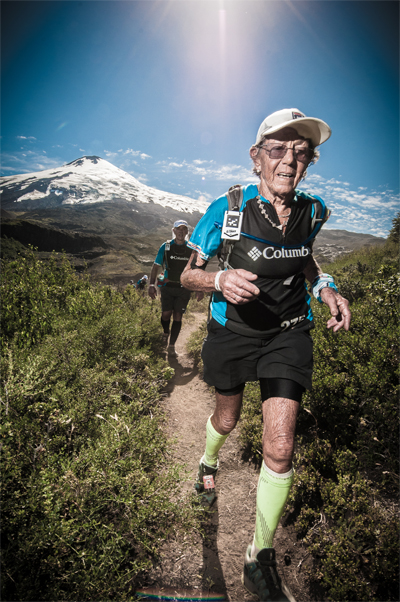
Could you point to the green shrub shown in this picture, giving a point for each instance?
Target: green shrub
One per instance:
(89, 494)
(251, 424)
(195, 344)
(344, 499)
(199, 306)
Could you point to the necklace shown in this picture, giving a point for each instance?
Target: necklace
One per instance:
(264, 213)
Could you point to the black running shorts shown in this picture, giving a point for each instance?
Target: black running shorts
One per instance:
(231, 359)
(174, 298)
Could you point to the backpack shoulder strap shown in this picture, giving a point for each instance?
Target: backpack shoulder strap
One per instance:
(167, 248)
(319, 215)
(235, 199)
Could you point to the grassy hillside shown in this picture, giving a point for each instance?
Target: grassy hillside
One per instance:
(118, 241)
(89, 493)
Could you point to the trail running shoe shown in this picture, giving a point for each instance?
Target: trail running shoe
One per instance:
(205, 484)
(171, 351)
(165, 338)
(261, 578)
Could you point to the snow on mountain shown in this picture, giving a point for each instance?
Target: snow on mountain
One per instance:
(86, 180)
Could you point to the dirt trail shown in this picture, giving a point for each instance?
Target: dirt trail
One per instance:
(215, 564)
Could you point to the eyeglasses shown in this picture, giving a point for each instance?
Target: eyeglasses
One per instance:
(304, 155)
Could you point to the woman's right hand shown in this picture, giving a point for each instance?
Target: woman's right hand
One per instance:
(237, 286)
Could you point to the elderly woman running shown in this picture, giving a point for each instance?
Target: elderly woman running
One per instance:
(261, 317)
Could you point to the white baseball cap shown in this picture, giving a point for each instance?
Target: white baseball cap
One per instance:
(181, 222)
(308, 127)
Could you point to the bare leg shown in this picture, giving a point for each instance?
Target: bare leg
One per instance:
(276, 474)
(279, 415)
(226, 413)
(218, 427)
(220, 424)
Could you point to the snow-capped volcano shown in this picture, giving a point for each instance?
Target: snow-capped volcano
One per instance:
(86, 180)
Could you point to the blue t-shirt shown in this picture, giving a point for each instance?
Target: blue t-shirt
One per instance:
(278, 260)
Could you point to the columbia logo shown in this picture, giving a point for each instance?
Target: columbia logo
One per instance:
(254, 253)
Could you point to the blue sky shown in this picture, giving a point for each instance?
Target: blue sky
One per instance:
(173, 92)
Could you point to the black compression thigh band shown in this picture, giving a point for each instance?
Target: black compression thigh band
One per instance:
(281, 387)
(229, 392)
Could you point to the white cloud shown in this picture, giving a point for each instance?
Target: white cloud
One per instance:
(332, 181)
(357, 210)
(142, 178)
(130, 151)
(28, 162)
(209, 170)
(135, 153)
(26, 138)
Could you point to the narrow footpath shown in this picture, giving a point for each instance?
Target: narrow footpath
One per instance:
(214, 564)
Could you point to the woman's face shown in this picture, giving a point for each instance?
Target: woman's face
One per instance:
(279, 177)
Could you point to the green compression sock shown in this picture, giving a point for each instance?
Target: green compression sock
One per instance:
(272, 493)
(214, 442)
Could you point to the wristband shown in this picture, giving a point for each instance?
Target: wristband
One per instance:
(216, 281)
(322, 281)
(152, 285)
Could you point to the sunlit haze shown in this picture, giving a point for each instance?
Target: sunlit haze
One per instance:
(173, 92)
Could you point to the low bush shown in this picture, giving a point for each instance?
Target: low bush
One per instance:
(89, 494)
(195, 344)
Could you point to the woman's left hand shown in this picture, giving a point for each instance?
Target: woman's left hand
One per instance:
(339, 308)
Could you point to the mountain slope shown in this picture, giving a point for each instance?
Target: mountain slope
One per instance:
(84, 181)
(100, 214)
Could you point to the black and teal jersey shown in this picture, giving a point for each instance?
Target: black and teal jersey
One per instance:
(173, 258)
(278, 260)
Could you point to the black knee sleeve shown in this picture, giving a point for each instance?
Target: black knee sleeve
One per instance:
(281, 387)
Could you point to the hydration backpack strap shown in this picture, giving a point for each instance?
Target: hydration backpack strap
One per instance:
(167, 248)
(235, 199)
(321, 214)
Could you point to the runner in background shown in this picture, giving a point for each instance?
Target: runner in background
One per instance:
(172, 256)
(141, 283)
